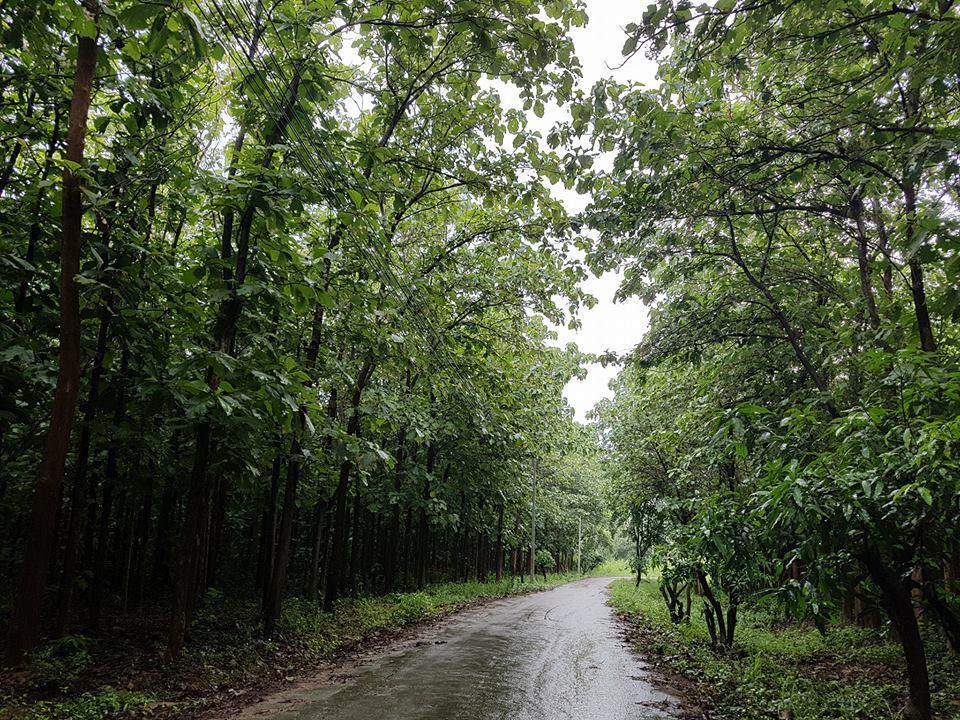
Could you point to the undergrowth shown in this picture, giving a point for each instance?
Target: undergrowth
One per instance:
(78, 677)
(778, 668)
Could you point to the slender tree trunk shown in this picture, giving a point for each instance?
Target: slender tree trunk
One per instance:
(407, 544)
(274, 597)
(144, 522)
(918, 291)
(80, 490)
(884, 244)
(339, 549)
(218, 518)
(318, 536)
(160, 573)
(99, 582)
(36, 227)
(393, 542)
(191, 541)
(500, 543)
(268, 528)
(24, 630)
(278, 577)
(109, 488)
(196, 526)
(863, 263)
(126, 547)
(356, 535)
(899, 606)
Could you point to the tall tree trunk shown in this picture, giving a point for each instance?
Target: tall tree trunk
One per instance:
(268, 534)
(160, 572)
(884, 245)
(918, 291)
(356, 535)
(80, 490)
(340, 519)
(36, 227)
(218, 517)
(24, 630)
(99, 582)
(191, 541)
(144, 521)
(500, 543)
(278, 576)
(424, 529)
(109, 488)
(196, 531)
(899, 607)
(274, 596)
(318, 534)
(393, 538)
(863, 263)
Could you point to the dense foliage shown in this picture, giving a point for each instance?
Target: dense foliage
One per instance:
(786, 200)
(286, 272)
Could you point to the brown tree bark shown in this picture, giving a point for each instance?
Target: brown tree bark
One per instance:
(24, 631)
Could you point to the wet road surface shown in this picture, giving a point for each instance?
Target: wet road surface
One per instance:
(551, 655)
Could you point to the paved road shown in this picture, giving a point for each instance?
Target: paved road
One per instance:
(547, 656)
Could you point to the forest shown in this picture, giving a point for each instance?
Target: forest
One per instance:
(787, 202)
(282, 282)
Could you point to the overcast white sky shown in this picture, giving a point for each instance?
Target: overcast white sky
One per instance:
(608, 325)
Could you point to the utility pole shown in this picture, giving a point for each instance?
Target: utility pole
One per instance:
(579, 542)
(533, 523)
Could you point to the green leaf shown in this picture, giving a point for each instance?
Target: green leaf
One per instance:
(139, 14)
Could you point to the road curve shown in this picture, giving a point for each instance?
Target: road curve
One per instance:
(545, 656)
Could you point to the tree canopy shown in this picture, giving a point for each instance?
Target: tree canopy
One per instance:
(786, 201)
(307, 264)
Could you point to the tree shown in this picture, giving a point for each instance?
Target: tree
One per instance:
(767, 198)
(310, 288)
(25, 618)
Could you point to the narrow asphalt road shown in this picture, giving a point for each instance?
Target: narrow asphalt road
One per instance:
(547, 656)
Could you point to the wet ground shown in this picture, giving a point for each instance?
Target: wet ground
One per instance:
(551, 655)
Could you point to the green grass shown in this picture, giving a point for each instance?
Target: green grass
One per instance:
(847, 674)
(611, 568)
(105, 703)
(359, 618)
(74, 677)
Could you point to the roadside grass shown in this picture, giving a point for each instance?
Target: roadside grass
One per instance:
(621, 568)
(611, 568)
(778, 668)
(119, 673)
(357, 619)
